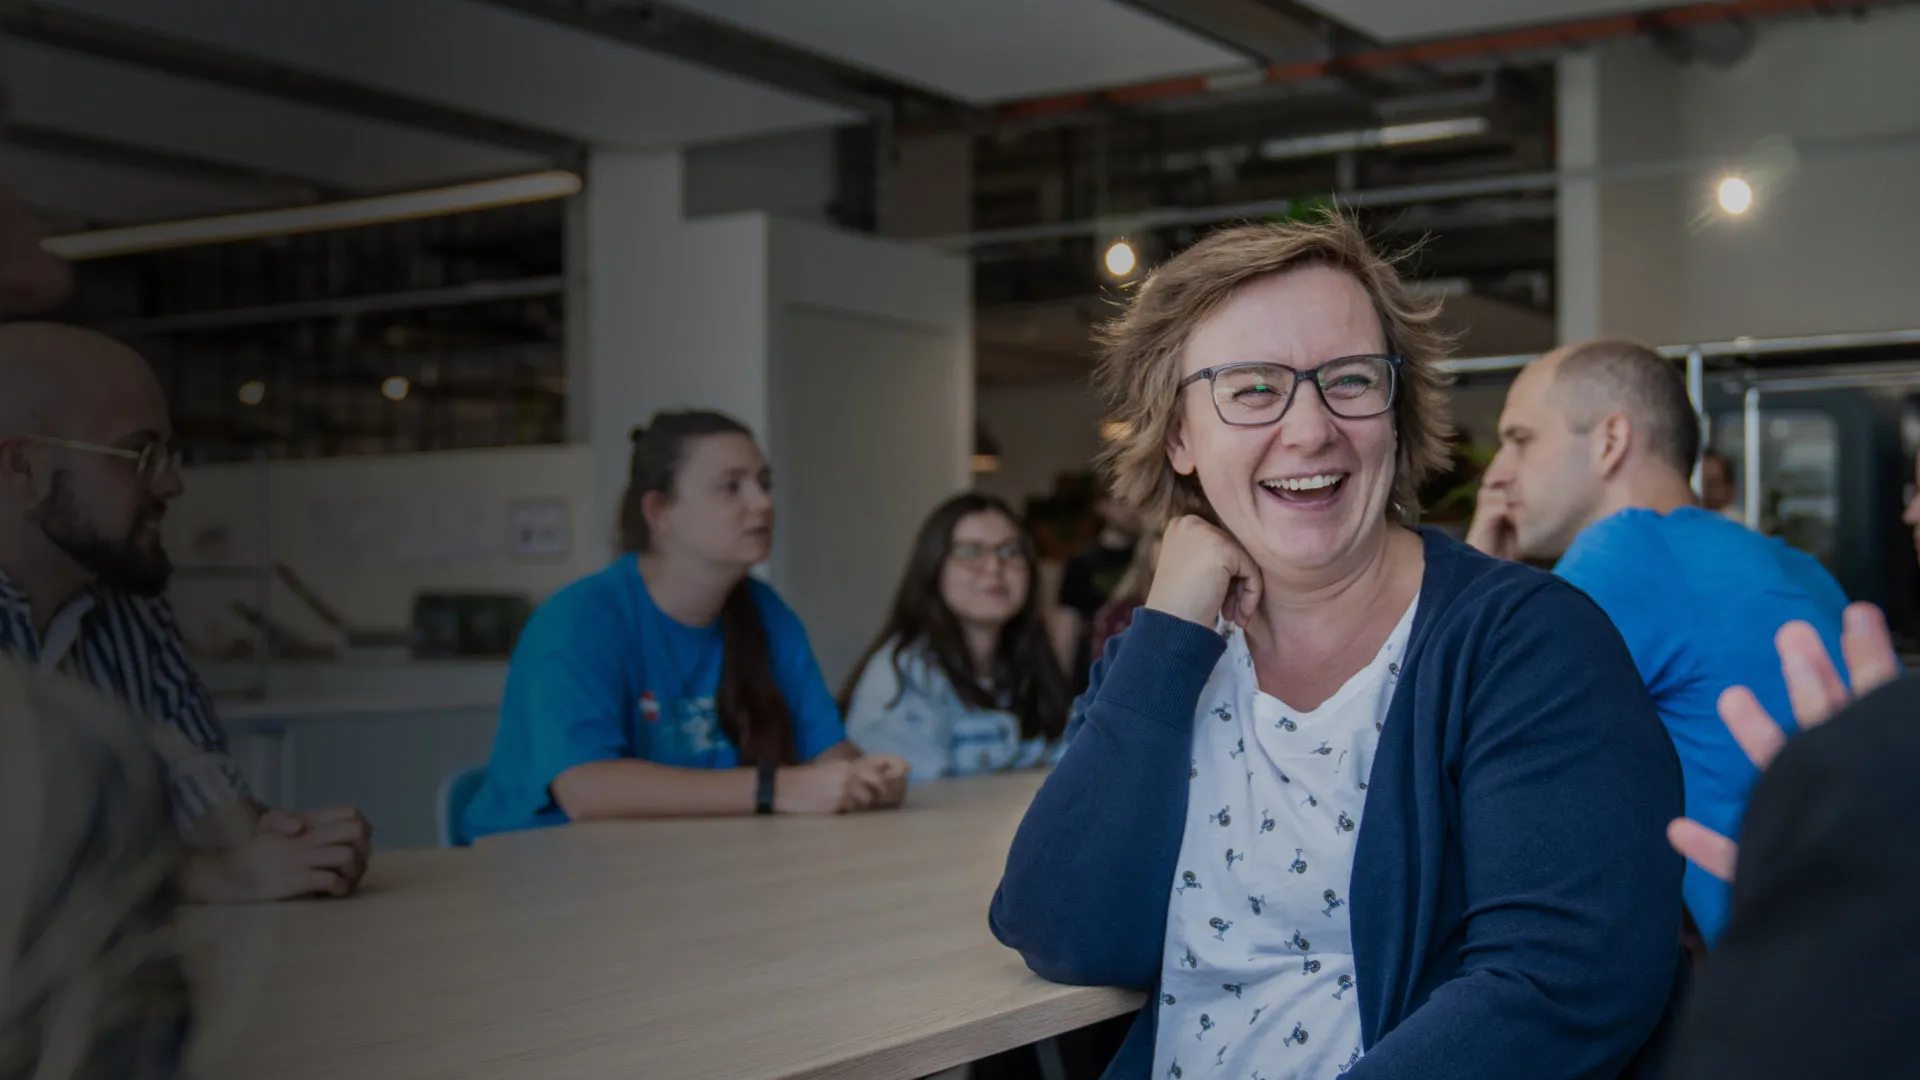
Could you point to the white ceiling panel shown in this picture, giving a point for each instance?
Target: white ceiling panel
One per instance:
(483, 58)
(121, 103)
(1403, 20)
(984, 50)
(71, 192)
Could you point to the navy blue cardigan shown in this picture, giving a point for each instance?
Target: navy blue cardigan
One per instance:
(1516, 909)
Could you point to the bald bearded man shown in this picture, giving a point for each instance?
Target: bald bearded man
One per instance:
(87, 470)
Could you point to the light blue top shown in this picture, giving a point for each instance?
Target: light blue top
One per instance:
(601, 673)
(1698, 599)
(923, 720)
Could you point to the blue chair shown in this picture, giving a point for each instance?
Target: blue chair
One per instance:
(456, 791)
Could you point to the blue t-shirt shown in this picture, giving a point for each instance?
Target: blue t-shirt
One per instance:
(1698, 599)
(601, 673)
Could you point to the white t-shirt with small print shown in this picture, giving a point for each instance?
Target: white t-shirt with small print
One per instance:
(1258, 978)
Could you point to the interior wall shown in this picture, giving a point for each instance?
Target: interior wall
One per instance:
(789, 175)
(368, 533)
(1821, 118)
(1041, 431)
(1620, 239)
(1833, 241)
(677, 310)
(855, 492)
(871, 382)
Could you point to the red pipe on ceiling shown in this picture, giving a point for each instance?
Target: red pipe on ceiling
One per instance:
(1559, 36)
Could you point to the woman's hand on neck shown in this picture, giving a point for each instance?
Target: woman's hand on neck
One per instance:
(687, 590)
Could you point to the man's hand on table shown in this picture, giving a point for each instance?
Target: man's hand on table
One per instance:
(289, 855)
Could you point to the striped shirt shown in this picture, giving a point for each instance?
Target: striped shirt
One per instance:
(130, 647)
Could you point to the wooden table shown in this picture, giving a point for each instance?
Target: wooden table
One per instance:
(853, 947)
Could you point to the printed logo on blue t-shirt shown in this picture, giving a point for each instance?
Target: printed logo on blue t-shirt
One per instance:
(683, 732)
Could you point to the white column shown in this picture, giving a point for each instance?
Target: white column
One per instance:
(676, 312)
(1621, 236)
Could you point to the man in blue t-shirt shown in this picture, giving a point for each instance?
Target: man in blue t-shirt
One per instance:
(1597, 442)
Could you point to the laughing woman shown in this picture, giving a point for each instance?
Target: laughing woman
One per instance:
(672, 683)
(961, 680)
(1405, 816)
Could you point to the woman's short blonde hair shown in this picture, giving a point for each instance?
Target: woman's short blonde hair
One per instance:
(94, 985)
(1140, 355)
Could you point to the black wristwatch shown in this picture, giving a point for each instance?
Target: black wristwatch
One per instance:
(763, 792)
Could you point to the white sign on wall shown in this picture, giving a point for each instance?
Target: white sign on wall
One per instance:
(537, 529)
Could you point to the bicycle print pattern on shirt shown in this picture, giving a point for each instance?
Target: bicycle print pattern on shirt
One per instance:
(1258, 974)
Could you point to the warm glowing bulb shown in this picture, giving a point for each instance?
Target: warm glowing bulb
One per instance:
(395, 388)
(1736, 196)
(253, 393)
(1120, 259)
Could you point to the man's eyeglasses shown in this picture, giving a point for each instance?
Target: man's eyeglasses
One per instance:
(1257, 394)
(150, 462)
(970, 551)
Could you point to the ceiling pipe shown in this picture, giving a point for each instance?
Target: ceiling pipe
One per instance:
(1557, 37)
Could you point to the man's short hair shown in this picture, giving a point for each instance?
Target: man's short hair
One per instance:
(1595, 378)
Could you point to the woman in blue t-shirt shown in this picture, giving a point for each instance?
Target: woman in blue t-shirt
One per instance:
(961, 680)
(672, 683)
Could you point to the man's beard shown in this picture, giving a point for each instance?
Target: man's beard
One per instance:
(126, 564)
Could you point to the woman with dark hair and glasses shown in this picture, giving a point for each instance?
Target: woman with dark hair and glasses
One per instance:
(1348, 797)
(961, 679)
(672, 683)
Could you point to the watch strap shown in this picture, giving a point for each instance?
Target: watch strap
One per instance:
(763, 790)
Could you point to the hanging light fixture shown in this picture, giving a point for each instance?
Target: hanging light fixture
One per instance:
(986, 452)
(1735, 195)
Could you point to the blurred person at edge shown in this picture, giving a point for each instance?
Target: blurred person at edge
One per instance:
(30, 279)
(1597, 443)
(1828, 875)
(92, 990)
(1719, 491)
(1348, 797)
(1087, 584)
(1129, 594)
(93, 985)
(1911, 513)
(673, 683)
(87, 472)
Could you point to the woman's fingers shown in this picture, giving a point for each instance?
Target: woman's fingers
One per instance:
(1705, 848)
(1751, 726)
(1868, 648)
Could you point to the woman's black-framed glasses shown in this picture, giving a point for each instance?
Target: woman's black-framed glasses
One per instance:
(150, 462)
(1256, 394)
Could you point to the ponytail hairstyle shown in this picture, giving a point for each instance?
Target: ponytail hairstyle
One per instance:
(1025, 679)
(753, 713)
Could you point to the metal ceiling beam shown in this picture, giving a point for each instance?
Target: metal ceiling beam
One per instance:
(1473, 52)
(110, 152)
(175, 56)
(710, 43)
(1263, 32)
(480, 292)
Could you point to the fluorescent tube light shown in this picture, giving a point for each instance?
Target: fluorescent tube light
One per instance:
(351, 213)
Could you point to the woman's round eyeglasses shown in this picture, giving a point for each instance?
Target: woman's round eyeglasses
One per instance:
(1257, 394)
(973, 552)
